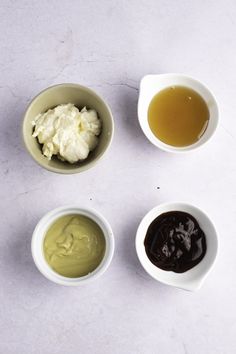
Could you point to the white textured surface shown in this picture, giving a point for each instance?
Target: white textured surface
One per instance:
(109, 46)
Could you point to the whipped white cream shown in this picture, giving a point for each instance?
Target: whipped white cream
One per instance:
(67, 132)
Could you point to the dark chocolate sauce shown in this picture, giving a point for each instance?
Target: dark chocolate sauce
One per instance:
(175, 242)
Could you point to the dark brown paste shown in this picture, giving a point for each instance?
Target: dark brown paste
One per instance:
(175, 242)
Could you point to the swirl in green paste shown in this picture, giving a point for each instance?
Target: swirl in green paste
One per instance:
(74, 246)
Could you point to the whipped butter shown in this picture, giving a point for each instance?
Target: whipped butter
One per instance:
(67, 132)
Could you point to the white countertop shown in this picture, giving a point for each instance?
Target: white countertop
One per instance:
(109, 46)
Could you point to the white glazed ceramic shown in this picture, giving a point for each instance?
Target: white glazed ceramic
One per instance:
(38, 238)
(192, 279)
(150, 85)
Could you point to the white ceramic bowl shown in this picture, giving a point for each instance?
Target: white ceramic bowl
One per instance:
(150, 85)
(192, 279)
(38, 238)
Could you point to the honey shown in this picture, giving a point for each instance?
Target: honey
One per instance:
(178, 116)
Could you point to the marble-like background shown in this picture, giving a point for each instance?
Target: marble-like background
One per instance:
(109, 45)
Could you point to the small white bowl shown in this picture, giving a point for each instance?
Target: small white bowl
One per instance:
(38, 238)
(192, 279)
(150, 85)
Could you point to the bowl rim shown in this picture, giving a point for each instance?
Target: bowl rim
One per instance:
(80, 168)
(162, 145)
(40, 231)
(140, 235)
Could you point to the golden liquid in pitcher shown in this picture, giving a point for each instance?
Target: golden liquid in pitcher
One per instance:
(178, 116)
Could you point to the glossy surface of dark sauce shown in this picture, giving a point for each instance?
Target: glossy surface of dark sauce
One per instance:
(175, 242)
